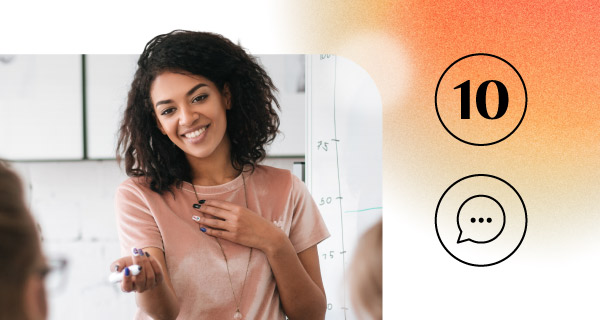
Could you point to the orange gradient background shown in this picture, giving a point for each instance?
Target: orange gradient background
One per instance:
(406, 46)
(552, 159)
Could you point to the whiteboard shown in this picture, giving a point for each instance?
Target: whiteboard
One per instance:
(344, 165)
(41, 107)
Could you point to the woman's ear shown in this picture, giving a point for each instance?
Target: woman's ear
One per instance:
(227, 96)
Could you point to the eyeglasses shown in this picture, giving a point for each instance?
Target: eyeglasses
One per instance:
(54, 273)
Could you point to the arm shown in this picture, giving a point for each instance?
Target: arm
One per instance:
(136, 224)
(298, 276)
(154, 292)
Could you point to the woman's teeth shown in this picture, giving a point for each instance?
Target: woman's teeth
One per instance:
(195, 133)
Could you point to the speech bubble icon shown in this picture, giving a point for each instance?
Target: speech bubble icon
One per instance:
(480, 219)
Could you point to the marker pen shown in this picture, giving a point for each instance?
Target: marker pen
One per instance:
(118, 276)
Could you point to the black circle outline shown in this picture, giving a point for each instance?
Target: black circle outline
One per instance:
(438, 207)
(481, 219)
(440, 117)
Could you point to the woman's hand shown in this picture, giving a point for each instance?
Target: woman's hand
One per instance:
(297, 275)
(237, 224)
(150, 276)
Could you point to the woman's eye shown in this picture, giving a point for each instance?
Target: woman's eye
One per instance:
(200, 98)
(167, 111)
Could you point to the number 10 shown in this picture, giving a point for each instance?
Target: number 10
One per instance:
(480, 99)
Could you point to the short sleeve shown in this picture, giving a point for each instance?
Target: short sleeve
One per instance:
(308, 227)
(136, 225)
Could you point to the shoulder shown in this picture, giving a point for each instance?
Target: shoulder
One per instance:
(275, 176)
(138, 183)
(277, 180)
(134, 187)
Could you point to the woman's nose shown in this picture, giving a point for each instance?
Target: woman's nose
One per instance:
(187, 116)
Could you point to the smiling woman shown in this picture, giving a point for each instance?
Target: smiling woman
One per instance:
(217, 235)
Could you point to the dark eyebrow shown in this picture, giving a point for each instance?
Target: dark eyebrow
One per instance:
(189, 93)
(200, 85)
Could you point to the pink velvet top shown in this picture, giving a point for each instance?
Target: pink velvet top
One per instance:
(195, 262)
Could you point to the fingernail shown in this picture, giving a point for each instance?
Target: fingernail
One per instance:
(201, 201)
(147, 254)
(196, 218)
(196, 206)
(135, 251)
(140, 252)
(117, 268)
(203, 229)
(127, 272)
(140, 268)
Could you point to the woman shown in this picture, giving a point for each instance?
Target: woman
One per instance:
(23, 268)
(217, 235)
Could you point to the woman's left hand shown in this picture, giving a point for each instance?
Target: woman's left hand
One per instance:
(237, 224)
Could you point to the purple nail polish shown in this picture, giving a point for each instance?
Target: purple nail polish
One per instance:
(203, 229)
(140, 252)
(127, 272)
(135, 251)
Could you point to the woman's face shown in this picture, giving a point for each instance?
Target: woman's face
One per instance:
(190, 110)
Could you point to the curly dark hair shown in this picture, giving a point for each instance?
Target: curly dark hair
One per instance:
(252, 122)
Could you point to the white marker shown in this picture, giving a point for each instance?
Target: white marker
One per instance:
(115, 277)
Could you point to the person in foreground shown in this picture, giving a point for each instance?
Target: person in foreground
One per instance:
(23, 267)
(218, 236)
(366, 274)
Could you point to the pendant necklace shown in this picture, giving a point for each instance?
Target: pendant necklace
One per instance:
(237, 315)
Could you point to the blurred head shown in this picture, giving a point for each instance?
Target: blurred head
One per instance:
(366, 274)
(22, 271)
(251, 118)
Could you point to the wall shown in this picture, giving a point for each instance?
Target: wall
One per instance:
(73, 204)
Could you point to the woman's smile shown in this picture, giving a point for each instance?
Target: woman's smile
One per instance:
(195, 135)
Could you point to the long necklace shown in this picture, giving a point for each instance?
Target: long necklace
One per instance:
(238, 315)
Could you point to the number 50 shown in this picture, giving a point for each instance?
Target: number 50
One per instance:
(480, 99)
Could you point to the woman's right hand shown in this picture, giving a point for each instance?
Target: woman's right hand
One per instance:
(151, 274)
